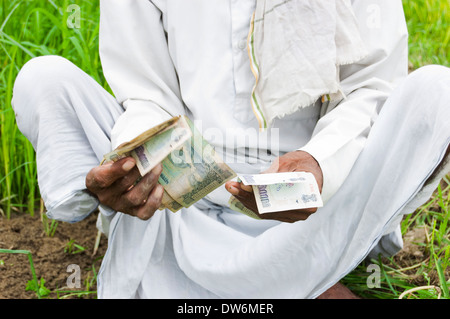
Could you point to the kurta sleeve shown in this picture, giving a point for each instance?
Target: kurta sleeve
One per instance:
(340, 135)
(137, 65)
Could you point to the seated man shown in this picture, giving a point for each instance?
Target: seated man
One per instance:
(376, 139)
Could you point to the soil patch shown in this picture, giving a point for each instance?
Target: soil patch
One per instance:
(71, 244)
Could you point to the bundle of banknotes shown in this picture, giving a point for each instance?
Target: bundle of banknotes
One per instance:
(191, 167)
(280, 192)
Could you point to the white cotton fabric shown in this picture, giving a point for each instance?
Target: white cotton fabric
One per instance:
(377, 150)
(296, 48)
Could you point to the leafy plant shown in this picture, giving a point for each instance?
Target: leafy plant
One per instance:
(72, 248)
(49, 225)
(38, 287)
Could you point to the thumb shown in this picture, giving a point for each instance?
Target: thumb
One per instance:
(274, 167)
(105, 175)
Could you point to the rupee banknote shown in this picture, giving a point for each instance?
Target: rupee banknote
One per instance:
(155, 144)
(283, 191)
(191, 167)
(236, 205)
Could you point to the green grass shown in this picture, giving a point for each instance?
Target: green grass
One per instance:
(429, 31)
(38, 27)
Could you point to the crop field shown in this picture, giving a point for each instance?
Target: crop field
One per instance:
(70, 29)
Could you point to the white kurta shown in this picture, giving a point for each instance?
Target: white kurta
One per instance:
(164, 58)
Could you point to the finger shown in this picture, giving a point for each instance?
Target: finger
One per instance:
(274, 167)
(280, 219)
(248, 200)
(232, 187)
(104, 176)
(245, 196)
(235, 188)
(290, 215)
(139, 193)
(283, 218)
(152, 203)
(127, 182)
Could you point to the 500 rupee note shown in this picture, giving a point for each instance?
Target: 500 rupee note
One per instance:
(155, 144)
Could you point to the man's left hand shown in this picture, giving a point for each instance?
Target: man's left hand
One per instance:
(297, 161)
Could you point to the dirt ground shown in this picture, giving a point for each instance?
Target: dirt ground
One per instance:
(51, 256)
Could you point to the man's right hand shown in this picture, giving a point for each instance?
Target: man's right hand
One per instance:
(117, 186)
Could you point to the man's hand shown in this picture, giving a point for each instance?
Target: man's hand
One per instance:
(297, 161)
(117, 185)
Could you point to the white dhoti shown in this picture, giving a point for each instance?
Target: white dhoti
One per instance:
(210, 251)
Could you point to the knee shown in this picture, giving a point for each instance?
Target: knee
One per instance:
(42, 73)
(432, 70)
(426, 91)
(431, 80)
(38, 79)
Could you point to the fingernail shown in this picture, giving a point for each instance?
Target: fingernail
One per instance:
(233, 190)
(158, 169)
(128, 166)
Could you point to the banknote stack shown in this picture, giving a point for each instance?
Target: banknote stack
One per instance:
(280, 192)
(191, 167)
